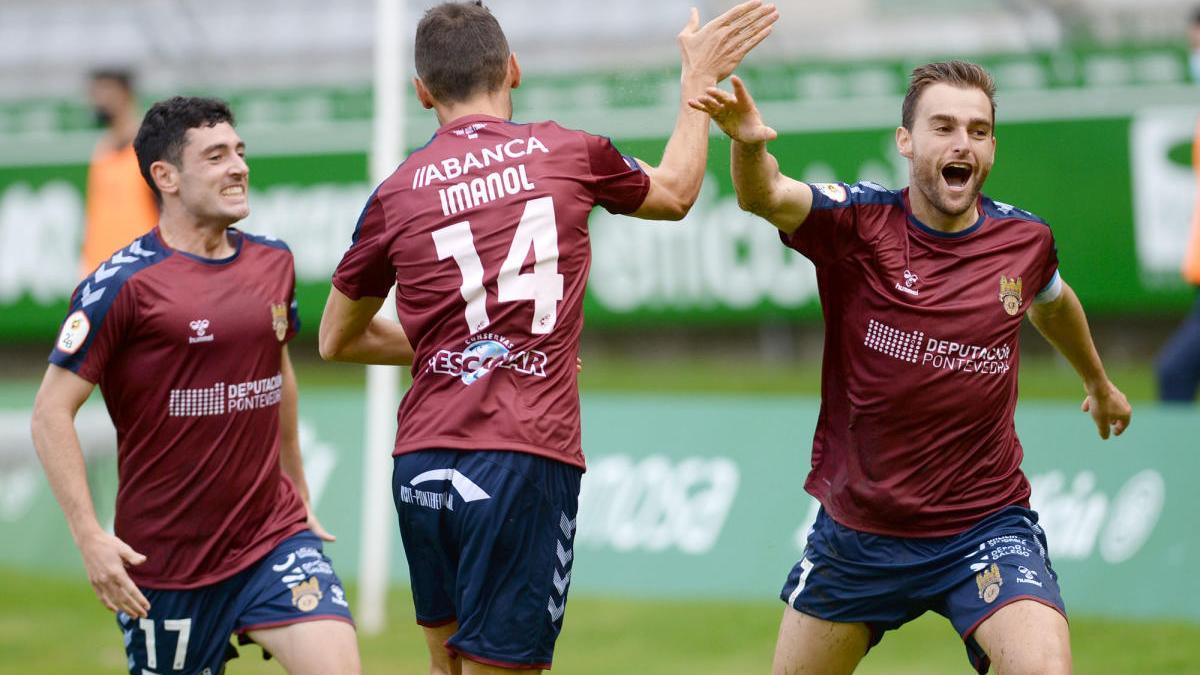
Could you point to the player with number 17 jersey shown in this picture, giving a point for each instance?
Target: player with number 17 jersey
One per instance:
(484, 232)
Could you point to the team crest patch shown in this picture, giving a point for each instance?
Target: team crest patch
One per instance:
(989, 583)
(834, 191)
(279, 321)
(1010, 294)
(306, 595)
(74, 331)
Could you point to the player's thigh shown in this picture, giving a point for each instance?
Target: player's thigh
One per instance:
(441, 661)
(808, 645)
(1026, 637)
(324, 647)
(473, 668)
(186, 631)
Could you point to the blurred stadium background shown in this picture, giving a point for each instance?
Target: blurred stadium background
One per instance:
(703, 341)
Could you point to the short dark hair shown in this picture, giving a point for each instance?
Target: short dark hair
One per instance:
(961, 74)
(460, 51)
(164, 130)
(122, 76)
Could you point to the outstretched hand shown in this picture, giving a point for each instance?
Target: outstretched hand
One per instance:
(105, 557)
(716, 48)
(735, 113)
(1110, 411)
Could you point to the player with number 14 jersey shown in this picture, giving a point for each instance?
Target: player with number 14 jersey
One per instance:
(484, 231)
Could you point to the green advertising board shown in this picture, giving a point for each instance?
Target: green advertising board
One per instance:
(702, 497)
(1095, 141)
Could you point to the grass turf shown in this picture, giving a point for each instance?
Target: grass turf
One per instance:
(54, 625)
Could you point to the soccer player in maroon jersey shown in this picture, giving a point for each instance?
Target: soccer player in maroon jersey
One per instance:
(186, 331)
(915, 460)
(484, 233)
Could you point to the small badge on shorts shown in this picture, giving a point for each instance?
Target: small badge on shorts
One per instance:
(989, 583)
(279, 320)
(307, 595)
(1010, 294)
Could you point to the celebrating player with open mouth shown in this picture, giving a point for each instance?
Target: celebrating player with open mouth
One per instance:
(916, 461)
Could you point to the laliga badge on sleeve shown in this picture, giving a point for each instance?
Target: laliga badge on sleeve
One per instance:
(834, 191)
(74, 332)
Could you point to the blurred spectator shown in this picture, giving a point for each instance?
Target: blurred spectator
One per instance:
(1179, 362)
(120, 206)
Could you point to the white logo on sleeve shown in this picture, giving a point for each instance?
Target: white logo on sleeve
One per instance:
(200, 328)
(74, 332)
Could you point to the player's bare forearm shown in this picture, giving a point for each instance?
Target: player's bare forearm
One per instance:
(57, 443)
(764, 191)
(1064, 325)
(352, 332)
(708, 55)
(104, 555)
(290, 459)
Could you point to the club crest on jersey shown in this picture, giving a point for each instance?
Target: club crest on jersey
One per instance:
(74, 331)
(989, 583)
(306, 595)
(1010, 294)
(279, 320)
(200, 328)
(834, 191)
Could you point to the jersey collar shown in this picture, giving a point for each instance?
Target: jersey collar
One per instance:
(925, 229)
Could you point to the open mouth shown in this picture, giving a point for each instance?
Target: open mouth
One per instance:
(956, 175)
(234, 191)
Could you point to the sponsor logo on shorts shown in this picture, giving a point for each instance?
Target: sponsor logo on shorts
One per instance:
(307, 595)
(466, 488)
(989, 583)
(339, 596)
(1028, 576)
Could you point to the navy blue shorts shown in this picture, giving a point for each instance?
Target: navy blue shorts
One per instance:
(489, 539)
(850, 576)
(188, 631)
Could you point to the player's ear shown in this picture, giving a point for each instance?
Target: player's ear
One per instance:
(904, 142)
(514, 71)
(165, 176)
(423, 94)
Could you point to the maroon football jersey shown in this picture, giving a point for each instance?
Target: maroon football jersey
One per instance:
(187, 354)
(484, 232)
(919, 383)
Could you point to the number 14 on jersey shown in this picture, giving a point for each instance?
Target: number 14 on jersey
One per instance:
(544, 285)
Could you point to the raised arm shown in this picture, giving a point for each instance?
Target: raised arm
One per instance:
(104, 555)
(351, 331)
(709, 54)
(761, 188)
(1064, 325)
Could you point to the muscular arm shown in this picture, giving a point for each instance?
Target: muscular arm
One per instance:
(291, 461)
(104, 556)
(709, 54)
(351, 331)
(1064, 325)
(761, 188)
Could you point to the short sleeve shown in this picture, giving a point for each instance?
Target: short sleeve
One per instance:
(366, 268)
(293, 310)
(1049, 266)
(617, 181)
(96, 325)
(829, 230)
